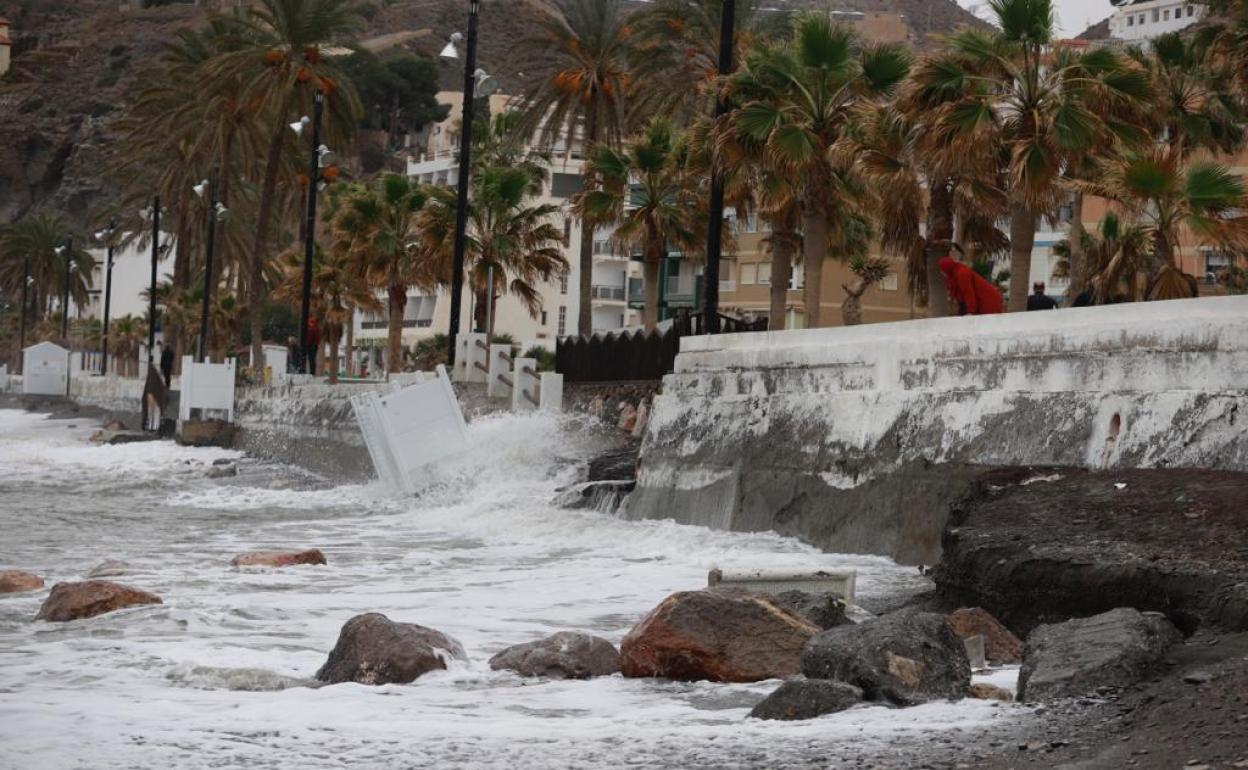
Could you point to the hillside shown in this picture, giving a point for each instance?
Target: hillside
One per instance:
(76, 64)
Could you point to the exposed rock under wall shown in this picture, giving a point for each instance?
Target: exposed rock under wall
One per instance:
(858, 439)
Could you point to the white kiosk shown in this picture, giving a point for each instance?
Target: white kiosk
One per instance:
(45, 370)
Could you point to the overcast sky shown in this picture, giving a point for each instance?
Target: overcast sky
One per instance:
(1074, 16)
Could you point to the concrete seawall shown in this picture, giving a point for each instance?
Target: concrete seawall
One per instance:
(859, 439)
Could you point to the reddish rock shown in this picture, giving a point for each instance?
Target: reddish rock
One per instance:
(984, 691)
(86, 599)
(372, 649)
(716, 635)
(13, 581)
(279, 558)
(1000, 646)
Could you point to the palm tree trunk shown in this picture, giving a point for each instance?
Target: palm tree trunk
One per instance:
(1078, 259)
(351, 341)
(650, 277)
(335, 337)
(394, 327)
(814, 251)
(851, 308)
(1022, 242)
(940, 228)
(782, 240)
(256, 293)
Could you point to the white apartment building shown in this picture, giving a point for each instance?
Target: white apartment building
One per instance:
(1137, 21)
(428, 314)
(132, 275)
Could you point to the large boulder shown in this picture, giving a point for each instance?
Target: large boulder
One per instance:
(825, 610)
(1113, 649)
(279, 558)
(807, 699)
(88, 598)
(908, 657)
(716, 635)
(372, 649)
(565, 655)
(13, 581)
(1000, 646)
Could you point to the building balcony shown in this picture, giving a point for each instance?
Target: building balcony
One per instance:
(408, 323)
(616, 293)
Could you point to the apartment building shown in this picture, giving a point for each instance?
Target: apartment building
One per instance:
(435, 161)
(1138, 21)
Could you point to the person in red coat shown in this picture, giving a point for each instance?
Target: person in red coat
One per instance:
(974, 294)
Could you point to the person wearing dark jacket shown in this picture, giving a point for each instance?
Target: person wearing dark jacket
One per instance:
(973, 294)
(1039, 300)
(166, 364)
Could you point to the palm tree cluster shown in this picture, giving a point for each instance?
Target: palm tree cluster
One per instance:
(848, 148)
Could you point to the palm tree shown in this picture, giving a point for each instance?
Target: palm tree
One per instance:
(126, 335)
(1165, 194)
(510, 241)
(1045, 109)
(580, 85)
(645, 190)
(793, 101)
(376, 229)
(283, 66)
(338, 290)
(869, 271)
(36, 238)
(1117, 257)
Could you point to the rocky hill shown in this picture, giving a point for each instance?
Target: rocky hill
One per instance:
(76, 64)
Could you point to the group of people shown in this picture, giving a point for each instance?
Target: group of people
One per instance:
(975, 295)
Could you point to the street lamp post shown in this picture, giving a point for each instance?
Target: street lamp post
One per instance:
(69, 256)
(714, 236)
(216, 212)
(108, 296)
(21, 345)
(465, 162)
(309, 235)
(151, 293)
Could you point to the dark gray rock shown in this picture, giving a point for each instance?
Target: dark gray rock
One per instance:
(372, 649)
(807, 699)
(825, 610)
(907, 658)
(604, 496)
(1113, 649)
(615, 465)
(565, 655)
(222, 471)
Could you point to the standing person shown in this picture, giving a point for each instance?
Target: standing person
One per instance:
(1039, 300)
(973, 294)
(314, 345)
(166, 364)
(294, 359)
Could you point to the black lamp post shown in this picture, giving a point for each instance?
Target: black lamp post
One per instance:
(21, 345)
(108, 295)
(465, 162)
(309, 233)
(69, 262)
(151, 293)
(216, 212)
(714, 236)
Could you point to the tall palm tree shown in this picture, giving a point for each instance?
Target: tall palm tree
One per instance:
(793, 101)
(1165, 195)
(1045, 109)
(376, 227)
(338, 290)
(283, 66)
(646, 191)
(37, 238)
(513, 245)
(579, 90)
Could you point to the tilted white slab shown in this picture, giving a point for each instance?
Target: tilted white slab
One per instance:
(408, 429)
(839, 582)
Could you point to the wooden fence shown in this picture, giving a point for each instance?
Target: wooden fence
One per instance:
(634, 356)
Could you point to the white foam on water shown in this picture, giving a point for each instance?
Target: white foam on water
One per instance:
(223, 673)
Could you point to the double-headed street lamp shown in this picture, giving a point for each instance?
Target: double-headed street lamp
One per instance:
(319, 160)
(106, 235)
(216, 213)
(465, 162)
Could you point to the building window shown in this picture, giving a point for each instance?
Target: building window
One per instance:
(567, 231)
(1191, 11)
(543, 318)
(563, 321)
(563, 284)
(889, 283)
(1141, 19)
(1156, 15)
(749, 274)
(764, 273)
(1165, 15)
(1130, 21)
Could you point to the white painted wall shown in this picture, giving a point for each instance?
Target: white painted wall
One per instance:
(132, 275)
